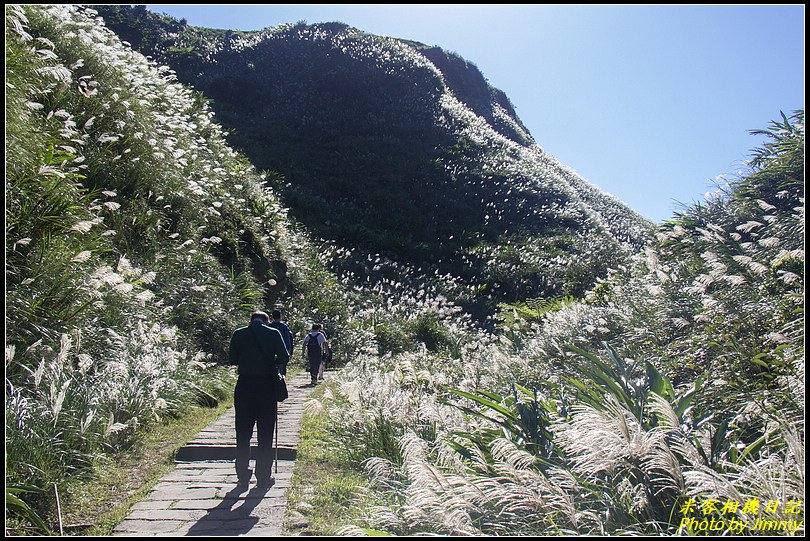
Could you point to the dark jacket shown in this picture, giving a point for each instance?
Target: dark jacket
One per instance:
(246, 352)
(286, 334)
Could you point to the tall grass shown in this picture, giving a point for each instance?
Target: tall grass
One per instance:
(534, 432)
(136, 241)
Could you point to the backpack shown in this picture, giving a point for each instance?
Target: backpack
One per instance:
(328, 356)
(313, 348)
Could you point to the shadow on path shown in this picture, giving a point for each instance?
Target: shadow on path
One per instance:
(230, 518)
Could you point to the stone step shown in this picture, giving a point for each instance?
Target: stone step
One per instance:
(197, 452)
(201, 497)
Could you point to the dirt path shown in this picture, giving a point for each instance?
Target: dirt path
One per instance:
(200, 496)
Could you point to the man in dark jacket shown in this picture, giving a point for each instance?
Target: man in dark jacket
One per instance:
(258, 351)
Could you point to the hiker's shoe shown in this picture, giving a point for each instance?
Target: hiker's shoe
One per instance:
(266, 483)
(243, 484)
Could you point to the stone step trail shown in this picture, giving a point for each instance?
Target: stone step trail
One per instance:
(200, 497)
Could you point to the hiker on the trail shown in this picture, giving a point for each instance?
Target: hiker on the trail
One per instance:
(327, 358)
(258, 351)
(313, 351)
(286, 334)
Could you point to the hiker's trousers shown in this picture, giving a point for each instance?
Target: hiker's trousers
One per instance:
(255, 404)
(314, 367)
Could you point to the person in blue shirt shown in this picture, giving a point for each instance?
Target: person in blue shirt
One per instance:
(286, 334)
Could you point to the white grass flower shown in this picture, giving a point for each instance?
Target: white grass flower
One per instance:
(144, 297)
(114, 428)
(85, 424)
(778, 338)
(56, 405)
(81, 257)
(769, 242)
(38, 373)
(22, 242)
(59, 73)
(680, 322)
(758, 268)
(83, 226)
(789, 277)
(123, 287)
(749, 226)
(85, 362)
(735, 279)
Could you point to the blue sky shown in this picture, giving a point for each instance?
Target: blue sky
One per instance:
(649, 103)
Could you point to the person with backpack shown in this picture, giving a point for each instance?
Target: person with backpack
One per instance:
(327, 358)
(313, 351)
(286, 334)
(258, 351)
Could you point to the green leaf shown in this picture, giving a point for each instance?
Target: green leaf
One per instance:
(659, 384)
(495, 397)
(757, 359)
(460, 449)
(16, 506)
(685, 400)
(480, 415)
(718, 440)
(588, 395)
(484, 402)
(375, 533)
(616, 358)
(700, 450)
(753, 448)
(604, 375)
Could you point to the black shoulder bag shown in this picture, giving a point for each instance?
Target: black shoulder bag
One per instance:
(279, 382)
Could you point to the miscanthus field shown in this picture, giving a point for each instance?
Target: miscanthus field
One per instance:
(137, 240)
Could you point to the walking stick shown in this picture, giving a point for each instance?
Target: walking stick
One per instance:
(275, 450)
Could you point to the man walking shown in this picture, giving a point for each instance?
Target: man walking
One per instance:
(258, 351)
(286, 334)
(313, 351)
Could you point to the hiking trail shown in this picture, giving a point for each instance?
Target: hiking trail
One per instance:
(200, 496)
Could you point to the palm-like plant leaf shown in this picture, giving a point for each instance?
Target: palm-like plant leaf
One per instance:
(16, 506)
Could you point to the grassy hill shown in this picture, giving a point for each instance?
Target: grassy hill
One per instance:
(137, 239)
(400, 150)
(670, 397)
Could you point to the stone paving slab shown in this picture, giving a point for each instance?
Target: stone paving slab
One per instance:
(200, 496)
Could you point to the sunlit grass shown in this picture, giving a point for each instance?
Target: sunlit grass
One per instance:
(327, 490)
(95, 507)
(137, 240)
